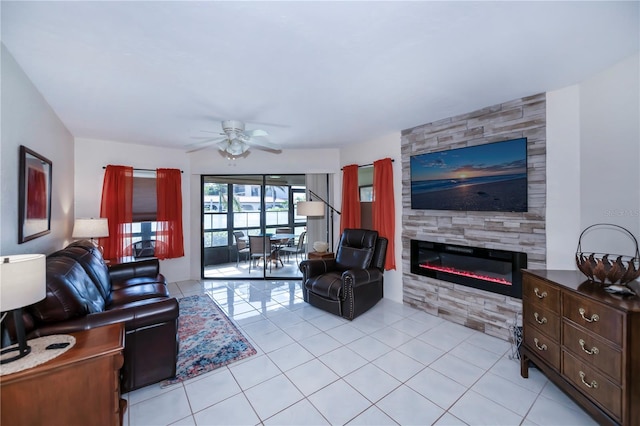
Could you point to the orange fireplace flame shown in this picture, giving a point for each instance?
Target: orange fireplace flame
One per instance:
(463, 273)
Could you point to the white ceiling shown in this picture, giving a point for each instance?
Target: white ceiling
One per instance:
(313, 74)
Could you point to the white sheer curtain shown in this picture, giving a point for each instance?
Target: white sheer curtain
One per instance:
(318, 227)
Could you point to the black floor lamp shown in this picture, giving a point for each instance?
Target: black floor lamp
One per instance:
(316, 209)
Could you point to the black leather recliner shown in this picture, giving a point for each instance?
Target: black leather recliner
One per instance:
(351, 283)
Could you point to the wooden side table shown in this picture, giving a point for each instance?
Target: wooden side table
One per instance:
(316, 255)
(79, 387)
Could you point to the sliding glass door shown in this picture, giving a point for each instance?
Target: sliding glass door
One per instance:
(250, 228)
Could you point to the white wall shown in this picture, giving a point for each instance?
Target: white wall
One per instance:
(563, 177)
(610, 147)
(92, 155)
(367, 153)
(27, 119)
(593, 173)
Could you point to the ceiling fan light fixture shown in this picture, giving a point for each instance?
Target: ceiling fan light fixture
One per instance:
(229, 156)
(232, 126)
(236, 147)
(236, 142)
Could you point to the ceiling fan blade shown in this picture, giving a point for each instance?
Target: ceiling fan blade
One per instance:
(255, 133)
(261, 123)
(197, 146)
(200, 148)
(263, 144)
(235, 141)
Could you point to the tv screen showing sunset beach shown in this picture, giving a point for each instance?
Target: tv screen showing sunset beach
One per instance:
(490, 177)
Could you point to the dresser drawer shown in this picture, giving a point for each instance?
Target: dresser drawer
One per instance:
(596, 317)
(543, 346)
(542, 319)
(593, 351)
(593, 384)
(541, 293)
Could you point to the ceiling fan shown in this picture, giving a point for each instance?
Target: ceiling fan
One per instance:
(235, 141)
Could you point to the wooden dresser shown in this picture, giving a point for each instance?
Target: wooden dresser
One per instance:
(585, 340)
(79, 387)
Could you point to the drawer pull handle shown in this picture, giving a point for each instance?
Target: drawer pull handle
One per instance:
(592, 385)
(592, 351)
(540, 348)
(539, 320)
(540, 295)
(593, 318)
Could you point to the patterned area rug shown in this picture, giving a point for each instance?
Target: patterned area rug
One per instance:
(208, 339)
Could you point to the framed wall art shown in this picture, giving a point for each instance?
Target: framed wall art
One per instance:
(34, 196)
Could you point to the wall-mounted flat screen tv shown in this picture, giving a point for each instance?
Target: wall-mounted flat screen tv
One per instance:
(489, 177)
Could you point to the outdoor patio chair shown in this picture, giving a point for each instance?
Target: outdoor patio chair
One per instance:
(298, 249)
(259, 248)
(241, 245)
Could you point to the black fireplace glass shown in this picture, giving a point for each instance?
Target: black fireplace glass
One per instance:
(492, 270)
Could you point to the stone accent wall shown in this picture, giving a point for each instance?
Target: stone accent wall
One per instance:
(525, 232)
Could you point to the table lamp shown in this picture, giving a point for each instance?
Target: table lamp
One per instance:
(91, 228)
(22, 283)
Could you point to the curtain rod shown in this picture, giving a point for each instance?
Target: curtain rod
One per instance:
(367, 165)
(142, 170)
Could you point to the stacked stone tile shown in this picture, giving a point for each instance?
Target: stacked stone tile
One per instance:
(524, 232)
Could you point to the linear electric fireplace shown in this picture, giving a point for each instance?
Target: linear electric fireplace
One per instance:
(492, 270)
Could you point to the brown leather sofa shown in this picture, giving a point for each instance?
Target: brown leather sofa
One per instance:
(352, 283)
(82, 293)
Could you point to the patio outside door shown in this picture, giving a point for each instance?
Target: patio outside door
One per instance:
(237, 207)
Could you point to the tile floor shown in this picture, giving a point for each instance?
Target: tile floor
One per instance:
(230, 271)
(392, 365)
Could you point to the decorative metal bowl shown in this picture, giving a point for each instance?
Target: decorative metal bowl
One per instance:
(608, 268)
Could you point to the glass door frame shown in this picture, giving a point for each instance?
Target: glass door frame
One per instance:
(224, 254)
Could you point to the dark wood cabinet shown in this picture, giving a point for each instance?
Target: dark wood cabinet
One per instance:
(585, 340)
(79, 387)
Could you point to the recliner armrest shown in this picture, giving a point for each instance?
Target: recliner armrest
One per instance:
(315, 267)
(135, 315)
(142, 268)
(358, 277)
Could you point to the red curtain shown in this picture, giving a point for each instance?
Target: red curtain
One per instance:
(384, 217)
(116, 206)
(169, 218)
(350, 217)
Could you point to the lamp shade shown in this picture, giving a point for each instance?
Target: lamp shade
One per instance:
(22, 280)
(310, 208)
(90, 228)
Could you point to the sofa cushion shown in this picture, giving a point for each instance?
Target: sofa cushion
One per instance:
(92, 262)
(155, 279)
(70, 292)
(326, 285)
(134, 293)
(139, 268)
